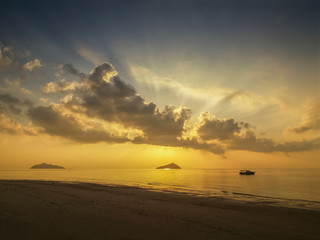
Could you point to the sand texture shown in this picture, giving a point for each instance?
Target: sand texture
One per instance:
(55, 210)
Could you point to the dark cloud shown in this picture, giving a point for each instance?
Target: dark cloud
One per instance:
(297, 146)
(62, 85)
(16, 58)
(12, 104)
(69, 68)
(6, 57)
(107, 97)
(55, 123)
(191, 143)
(2, 109)
(241, 136)
(8, 99)
(102, 96)
(250, 142)
(14, 109)
(301, 128)
(221, 129)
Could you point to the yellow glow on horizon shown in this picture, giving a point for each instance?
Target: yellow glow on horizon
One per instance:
(21, 152)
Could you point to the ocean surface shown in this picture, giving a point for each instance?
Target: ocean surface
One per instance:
(290, 187)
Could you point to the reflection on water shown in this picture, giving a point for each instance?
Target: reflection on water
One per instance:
(278, 184)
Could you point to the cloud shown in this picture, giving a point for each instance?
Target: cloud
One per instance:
(60, 86)
(211, 128)
(43, 100)
(69, 69)
(8, 99)
(190, 143)
(241, 136)
(311, 120)
(11, 58)
(13, 127)
(100, 107)
(107, 97)
(25, 91)
(103, 95)
(6, 57)
(54, 122)
(13, 104)
(250, 142)
(34, 64)
(15, 86)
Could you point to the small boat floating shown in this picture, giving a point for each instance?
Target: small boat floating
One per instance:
(246, 172)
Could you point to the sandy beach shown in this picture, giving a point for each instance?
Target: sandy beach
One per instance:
(60, 210)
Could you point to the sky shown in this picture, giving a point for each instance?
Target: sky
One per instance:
(142, 83)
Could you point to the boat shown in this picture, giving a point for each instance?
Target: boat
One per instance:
(246, 172)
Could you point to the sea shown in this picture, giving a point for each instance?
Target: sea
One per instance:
(299, 188)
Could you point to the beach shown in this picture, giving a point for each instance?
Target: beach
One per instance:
(68, 210)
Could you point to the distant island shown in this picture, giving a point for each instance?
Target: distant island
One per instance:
(169, 166)
(46, 166)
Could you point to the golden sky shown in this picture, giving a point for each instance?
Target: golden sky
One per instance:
(209, 86)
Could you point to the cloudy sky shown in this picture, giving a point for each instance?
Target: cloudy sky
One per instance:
(140, 83)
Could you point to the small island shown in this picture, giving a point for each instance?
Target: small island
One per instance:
(46, 166)
(169, 166)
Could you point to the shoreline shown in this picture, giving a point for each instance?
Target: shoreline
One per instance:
(220, 194)
(33, 209)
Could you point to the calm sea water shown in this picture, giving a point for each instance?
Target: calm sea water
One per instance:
(296, 187)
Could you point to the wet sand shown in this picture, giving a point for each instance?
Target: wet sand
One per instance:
(56, 210)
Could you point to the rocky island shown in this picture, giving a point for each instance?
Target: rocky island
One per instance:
(46, 166)
(169, 166)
